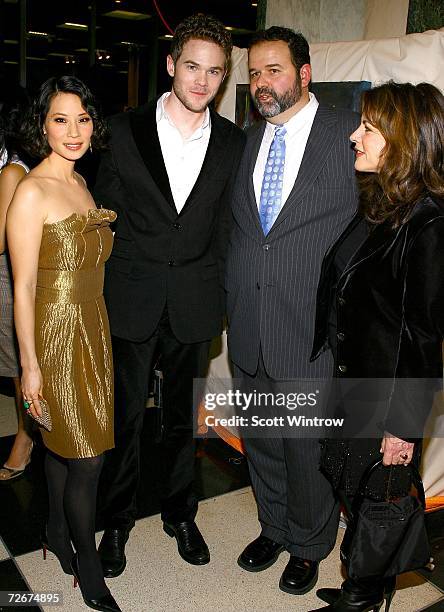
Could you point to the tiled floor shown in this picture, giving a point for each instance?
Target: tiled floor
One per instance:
(156, 578)
(4, 554)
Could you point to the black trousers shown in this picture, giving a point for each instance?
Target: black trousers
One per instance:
(296, 504)
(133, 362)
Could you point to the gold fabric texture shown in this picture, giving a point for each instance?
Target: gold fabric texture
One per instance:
(72, 334)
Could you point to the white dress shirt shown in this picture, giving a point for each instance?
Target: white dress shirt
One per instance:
(183, 158)
(298, 130)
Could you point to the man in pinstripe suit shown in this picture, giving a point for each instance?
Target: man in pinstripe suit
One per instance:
(277, 246)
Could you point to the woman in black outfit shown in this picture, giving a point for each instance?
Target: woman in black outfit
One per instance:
(381, 306)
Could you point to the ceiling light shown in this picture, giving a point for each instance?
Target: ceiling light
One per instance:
(229, 28)
(10, 42)
(69, 25)
(118, 14)
(254, 4)
(168, 36)
(38, 33)
(36, 59)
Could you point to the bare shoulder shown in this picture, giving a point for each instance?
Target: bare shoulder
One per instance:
(31, 187)
(29, 197)
(12, 170)
(11, 175)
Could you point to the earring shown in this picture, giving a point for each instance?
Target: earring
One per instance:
(90, 147)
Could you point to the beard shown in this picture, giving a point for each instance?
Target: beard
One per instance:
(195, 106)
(278, 103)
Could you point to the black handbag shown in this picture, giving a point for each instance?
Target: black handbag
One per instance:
(385, 538)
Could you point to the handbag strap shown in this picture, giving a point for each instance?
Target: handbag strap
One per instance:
(360, 493)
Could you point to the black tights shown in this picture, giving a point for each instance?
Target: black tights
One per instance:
(72, 488)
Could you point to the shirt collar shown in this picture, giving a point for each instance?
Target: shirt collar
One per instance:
(161, 114)
(301, 118)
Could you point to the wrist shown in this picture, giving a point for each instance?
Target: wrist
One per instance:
(30, 367)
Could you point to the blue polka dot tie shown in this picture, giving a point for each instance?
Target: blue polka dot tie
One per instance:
(271, 192)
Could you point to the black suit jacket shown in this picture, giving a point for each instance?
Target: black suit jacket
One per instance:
(161, 257)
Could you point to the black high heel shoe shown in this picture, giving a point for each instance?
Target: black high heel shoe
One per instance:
(362, 595)
(64, 564)
(106, 603)
(332, 595)
(343, 604)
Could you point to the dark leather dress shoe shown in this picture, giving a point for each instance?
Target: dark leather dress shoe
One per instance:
(112, 551)
(260, 554)
(299, 576)
(190, 543)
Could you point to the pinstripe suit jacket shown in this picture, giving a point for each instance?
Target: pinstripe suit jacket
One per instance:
(271, 280)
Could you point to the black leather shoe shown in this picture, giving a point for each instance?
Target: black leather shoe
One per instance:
(330, 595)
(347, 604)
(106, 603)
(359, 595)
(112, 551)
(190, 543)
(260, 554)
(299, 576)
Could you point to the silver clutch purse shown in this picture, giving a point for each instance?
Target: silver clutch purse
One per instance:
(45, 420)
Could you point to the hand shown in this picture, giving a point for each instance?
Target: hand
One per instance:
(32, 384)
(396, 451)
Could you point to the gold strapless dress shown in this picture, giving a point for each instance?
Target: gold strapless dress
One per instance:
(73, 342)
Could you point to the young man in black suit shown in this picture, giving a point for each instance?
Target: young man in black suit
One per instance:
(168, 174)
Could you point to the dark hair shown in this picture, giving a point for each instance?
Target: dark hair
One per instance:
(298, 45)
(202, 27)
(32, 127)
(13, 106)
(411, 120)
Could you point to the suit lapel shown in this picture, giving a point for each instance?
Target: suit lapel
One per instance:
(320, 141)
(212, 164)
(254, 152)
(144, 128)
(330, 255)
(381, 237)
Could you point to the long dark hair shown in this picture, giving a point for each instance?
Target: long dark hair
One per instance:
(411, 120)
(14, 103)
(32, 128)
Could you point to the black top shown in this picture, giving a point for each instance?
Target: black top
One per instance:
(343, 255)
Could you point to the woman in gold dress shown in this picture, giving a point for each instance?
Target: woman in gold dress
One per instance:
(59, 242)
